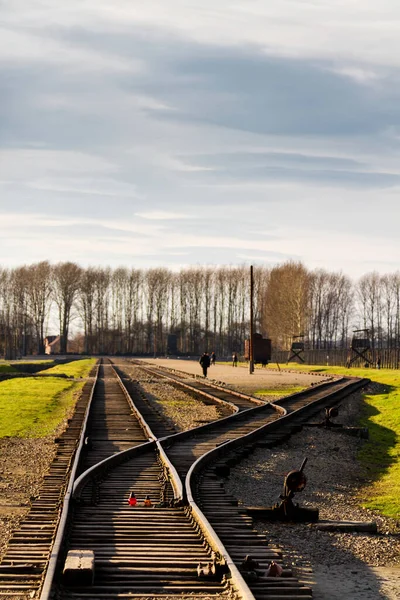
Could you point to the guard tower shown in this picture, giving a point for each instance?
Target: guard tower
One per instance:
(296, 349)
(360, 348)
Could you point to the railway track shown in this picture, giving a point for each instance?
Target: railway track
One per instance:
(25, 561)
(200, 460)
(156, 551)
(140, 550)
(206, 389)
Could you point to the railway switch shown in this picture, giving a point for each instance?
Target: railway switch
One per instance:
(286, 510)
(331, 413)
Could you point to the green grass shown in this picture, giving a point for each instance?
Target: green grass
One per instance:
(29, 366)
(76, 368)
(281, 391)
(7, 368)
(34, 407)
(171, 402)
(380, 455)
(33, 362)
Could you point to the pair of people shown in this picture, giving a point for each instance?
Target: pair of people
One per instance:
(206, 361)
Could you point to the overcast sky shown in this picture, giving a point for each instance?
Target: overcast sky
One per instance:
(199, 132)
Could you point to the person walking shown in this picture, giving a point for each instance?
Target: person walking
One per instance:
(234, 359)
(213, 358)
(205, 363)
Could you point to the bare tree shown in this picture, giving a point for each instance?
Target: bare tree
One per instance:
(7, 333)
(39, 279)
(67, 277)
(102, 298)
(86, 304)
(369, 294)
(132, 308)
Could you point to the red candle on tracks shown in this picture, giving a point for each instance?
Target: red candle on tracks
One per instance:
(132, 499)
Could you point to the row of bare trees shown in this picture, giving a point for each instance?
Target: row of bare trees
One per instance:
(134, 311)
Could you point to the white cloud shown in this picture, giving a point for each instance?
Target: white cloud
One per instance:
(97, 186)
(25, 164)
(358, 74)
(20, 47)
(362, 29)
(16, 224)
(162, 215)
(116, 143)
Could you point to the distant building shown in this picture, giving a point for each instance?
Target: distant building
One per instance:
(52, 344)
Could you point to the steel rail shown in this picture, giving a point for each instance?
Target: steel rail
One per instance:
(209, 534)
(205, 526)
(139, 417)
(226, 448)
(108, 463)
(25, 561)
(116, 459)
(75, 487)
(198, 378)
(286, 417)
(239, 583)
(48, 580)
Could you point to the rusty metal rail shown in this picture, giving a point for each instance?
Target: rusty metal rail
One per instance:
(196, 384)
(155, 550)
(26, 559)
(140, 550)
(212, 522)
(207, 498)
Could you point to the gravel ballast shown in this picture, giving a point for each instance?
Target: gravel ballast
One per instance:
(338, 565)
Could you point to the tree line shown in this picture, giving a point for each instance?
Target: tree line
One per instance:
(133, 311)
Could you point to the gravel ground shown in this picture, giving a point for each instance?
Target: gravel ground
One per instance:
(179, 408)
(239, 378)
(22, 466)
(337, 565)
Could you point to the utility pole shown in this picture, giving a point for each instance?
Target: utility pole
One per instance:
(251, 348)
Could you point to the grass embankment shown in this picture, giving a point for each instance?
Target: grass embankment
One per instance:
(29, 367)
(44, 361)
(281, 391)
(76, 368)
(7, 368)
(380, 455)
(34, 407)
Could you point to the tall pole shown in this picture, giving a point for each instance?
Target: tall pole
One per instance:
(251, 348)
